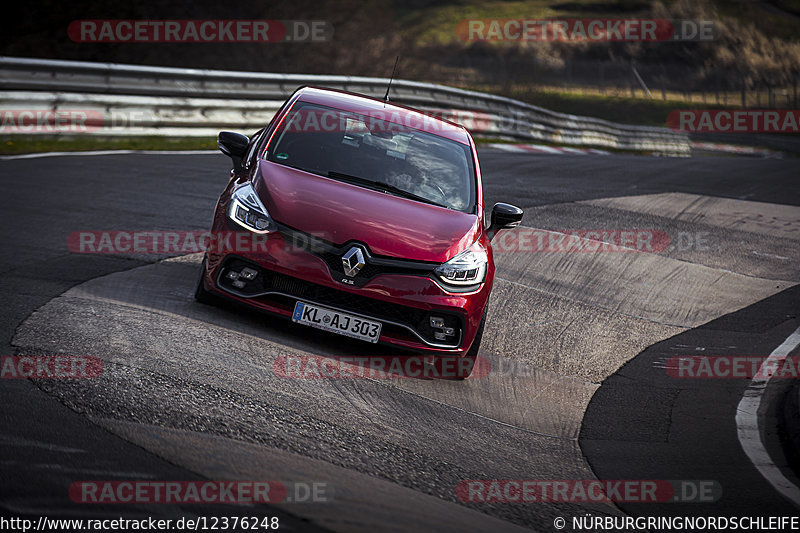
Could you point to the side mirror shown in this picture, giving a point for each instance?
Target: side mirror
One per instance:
(234, 145)
(504, 216)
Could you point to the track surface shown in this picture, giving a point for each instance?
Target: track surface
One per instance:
(189, 391)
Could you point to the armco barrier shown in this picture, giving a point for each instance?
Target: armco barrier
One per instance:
(145, 100)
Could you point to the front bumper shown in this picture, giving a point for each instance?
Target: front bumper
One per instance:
(402, 302)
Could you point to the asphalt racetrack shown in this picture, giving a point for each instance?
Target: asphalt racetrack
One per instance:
(579, 344)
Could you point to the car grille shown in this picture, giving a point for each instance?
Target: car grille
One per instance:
(347, 301)
(368, 271)
(332, 254)
(268, 283)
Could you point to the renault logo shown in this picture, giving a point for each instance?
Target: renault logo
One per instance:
(353, 261)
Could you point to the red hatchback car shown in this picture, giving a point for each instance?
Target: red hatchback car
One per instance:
(367, 220)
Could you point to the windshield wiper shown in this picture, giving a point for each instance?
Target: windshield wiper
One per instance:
(382, 187)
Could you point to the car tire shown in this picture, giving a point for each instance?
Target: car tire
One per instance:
(200, 293)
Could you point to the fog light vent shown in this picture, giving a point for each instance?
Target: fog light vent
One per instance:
(248, 274)
(441, 332)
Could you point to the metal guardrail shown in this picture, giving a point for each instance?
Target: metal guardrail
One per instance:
(176, 101)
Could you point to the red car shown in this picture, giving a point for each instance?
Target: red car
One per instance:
(358, 217)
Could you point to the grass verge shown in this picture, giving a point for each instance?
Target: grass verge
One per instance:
(25, 144)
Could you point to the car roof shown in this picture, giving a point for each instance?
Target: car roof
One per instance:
(395, 113)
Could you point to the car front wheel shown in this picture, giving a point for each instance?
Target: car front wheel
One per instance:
(200, 293)
(466, 363)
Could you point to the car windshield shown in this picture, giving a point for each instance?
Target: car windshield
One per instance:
(377, 154)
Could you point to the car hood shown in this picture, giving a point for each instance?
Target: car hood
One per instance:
(339, 212)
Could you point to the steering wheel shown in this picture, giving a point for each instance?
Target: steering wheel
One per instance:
(427, 182)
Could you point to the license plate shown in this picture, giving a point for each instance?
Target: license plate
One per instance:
(336, 322)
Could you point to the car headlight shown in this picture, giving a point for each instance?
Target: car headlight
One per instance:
(246, 209)
(467, 268)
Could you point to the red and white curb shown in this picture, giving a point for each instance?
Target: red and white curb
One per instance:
(733, 149)
(544, 149)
